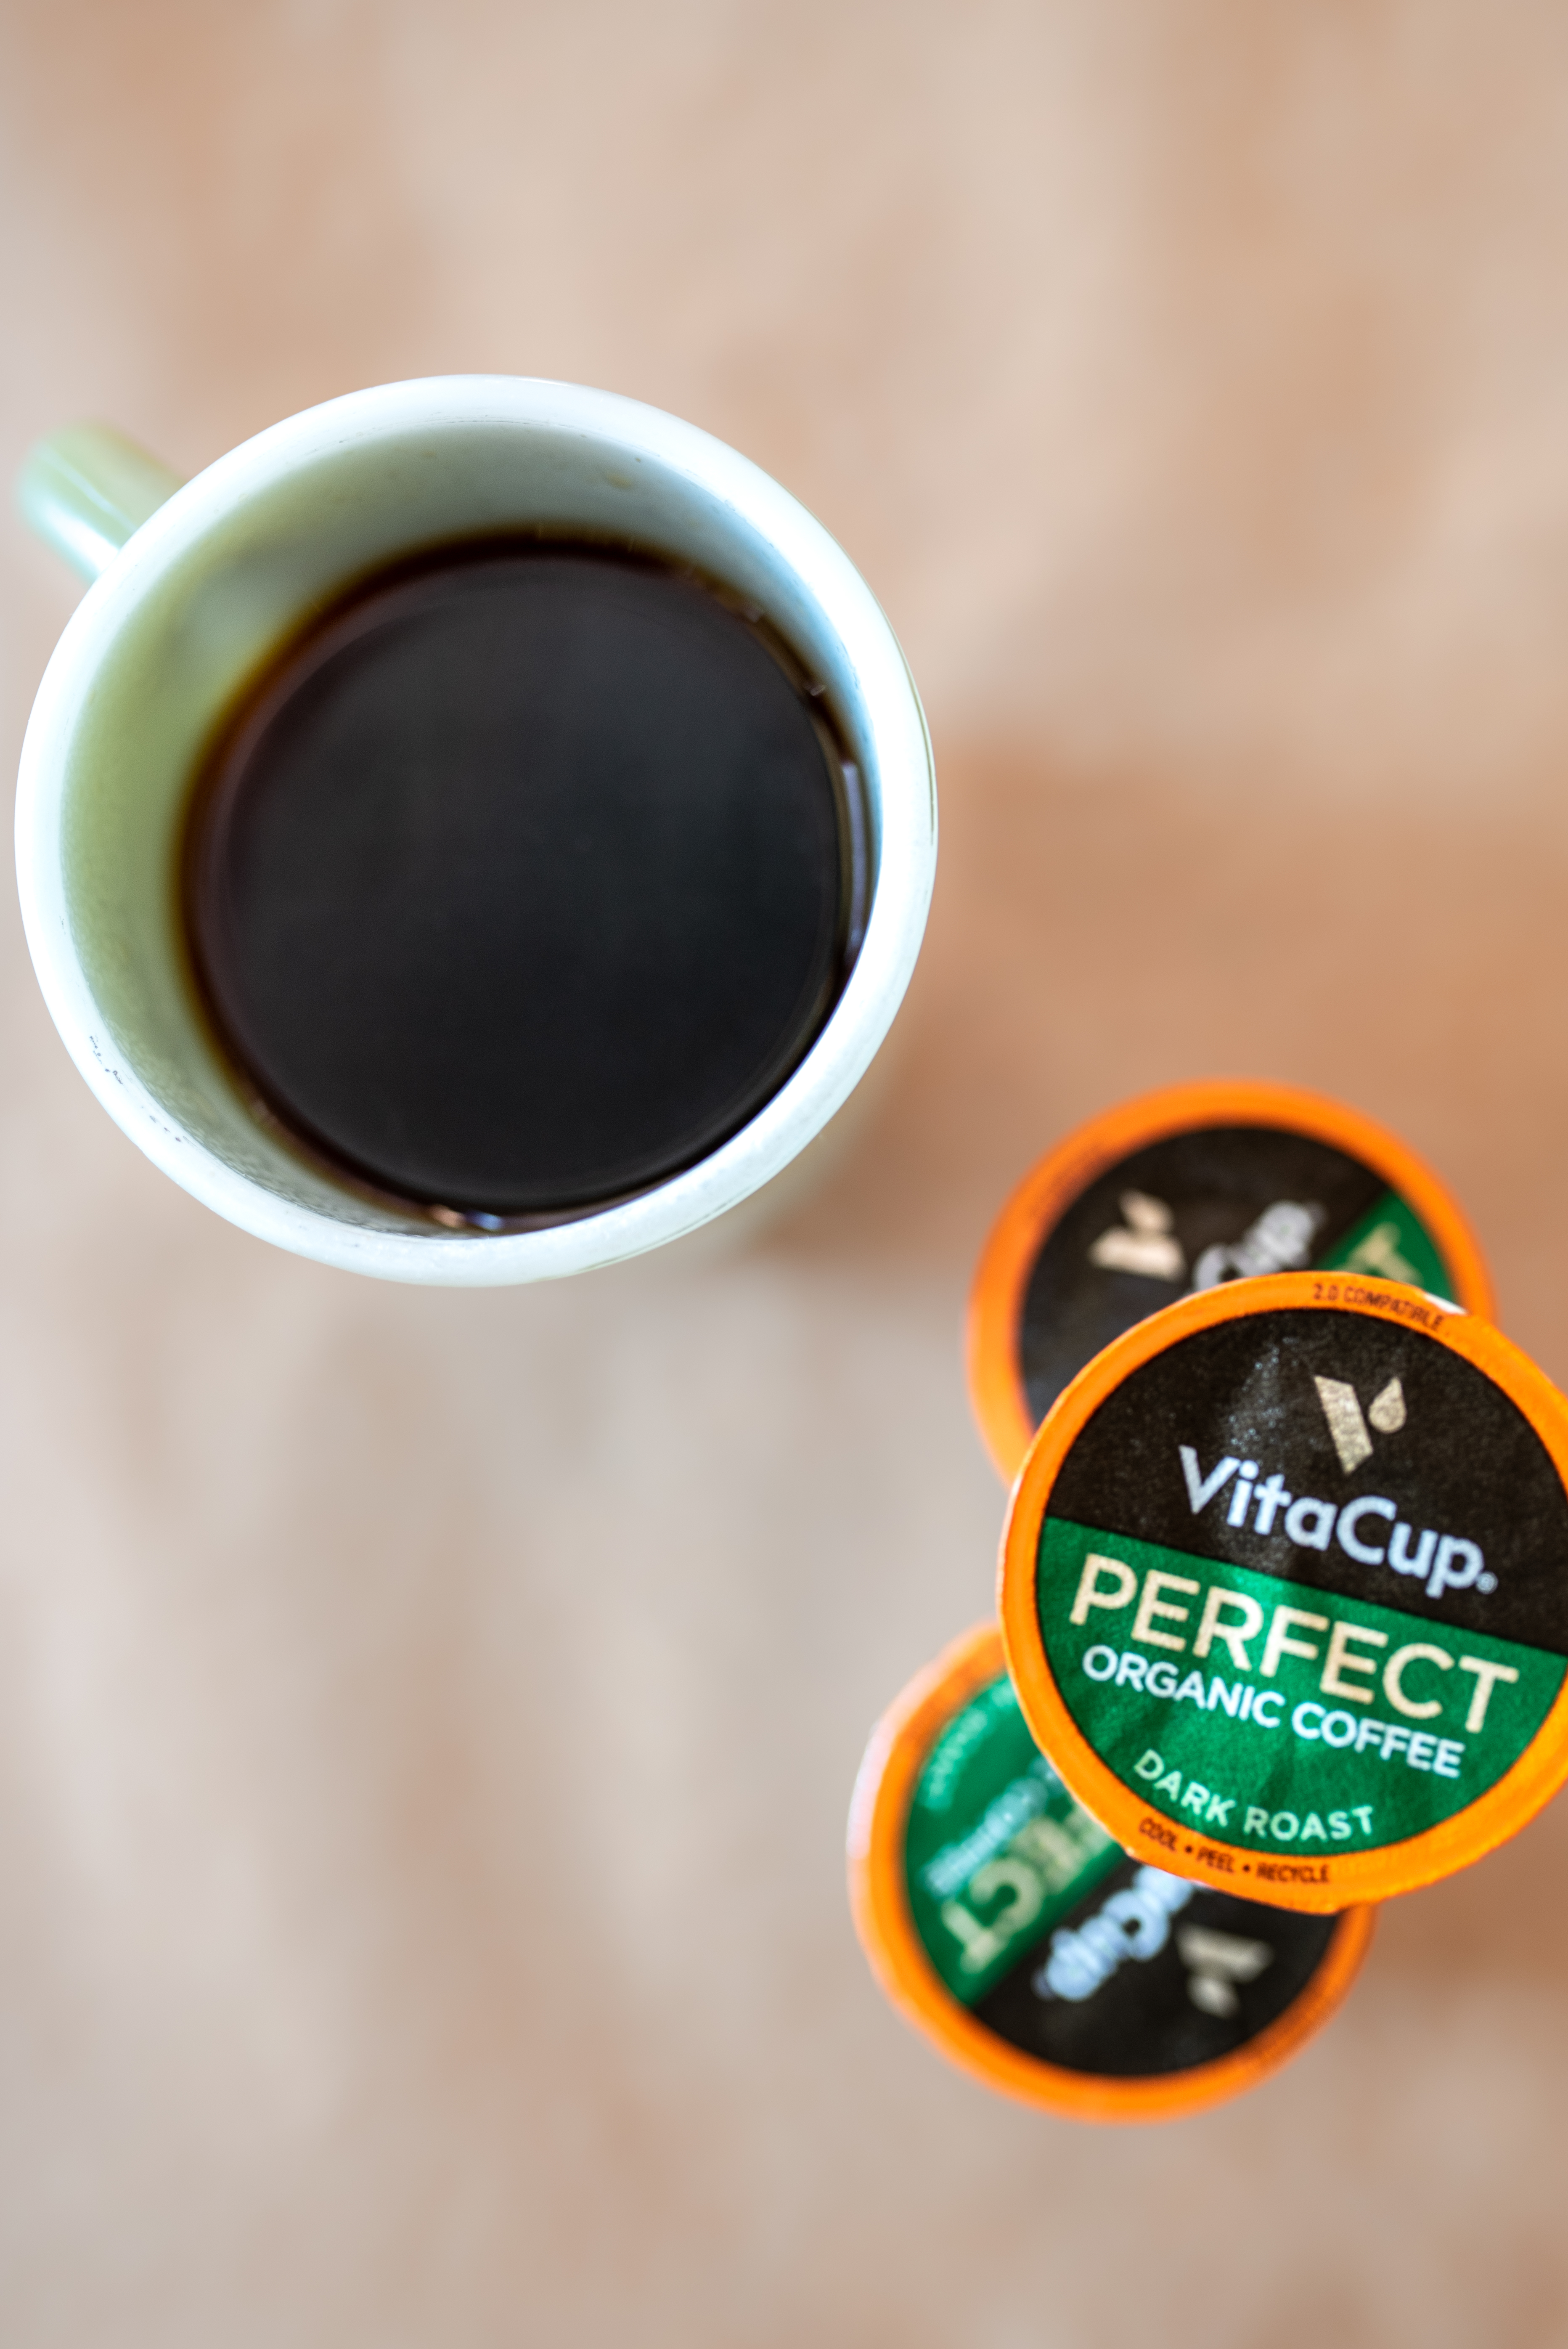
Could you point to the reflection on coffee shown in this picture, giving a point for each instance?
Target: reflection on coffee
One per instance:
(524, 878)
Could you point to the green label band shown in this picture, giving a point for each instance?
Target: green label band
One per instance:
(996, 1851)
(1268, 1714)
(1392, 1243)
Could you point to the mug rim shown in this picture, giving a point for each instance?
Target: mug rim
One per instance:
(839, 1056)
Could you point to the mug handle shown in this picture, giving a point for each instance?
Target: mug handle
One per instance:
(84, 490)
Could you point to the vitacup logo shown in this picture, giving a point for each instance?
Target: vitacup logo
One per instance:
(1135, 1923)
(1342, 1410)
(1444, 1561)
(1280, 1240)
(1145, 1242)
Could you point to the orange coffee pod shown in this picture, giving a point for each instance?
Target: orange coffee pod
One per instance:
(1285, 1589)
(1182, 1190)
(1010, 1929)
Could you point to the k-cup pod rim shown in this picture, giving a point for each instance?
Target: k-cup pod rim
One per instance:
(884, 1789)
(1013, 1245)
(1320, 1888)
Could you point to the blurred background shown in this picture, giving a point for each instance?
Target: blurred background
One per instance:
(427, 1721)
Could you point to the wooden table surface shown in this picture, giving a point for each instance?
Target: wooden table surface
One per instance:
(427, 1721)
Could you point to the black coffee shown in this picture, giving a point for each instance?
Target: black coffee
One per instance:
(524, 878)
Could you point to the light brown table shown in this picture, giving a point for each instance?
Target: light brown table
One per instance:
(427, 1722)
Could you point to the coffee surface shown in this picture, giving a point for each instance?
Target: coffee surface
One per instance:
(524, 880)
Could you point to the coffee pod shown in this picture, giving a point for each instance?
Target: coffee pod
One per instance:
(1007, 1926)
(1186, 1189)
(1285, 1589)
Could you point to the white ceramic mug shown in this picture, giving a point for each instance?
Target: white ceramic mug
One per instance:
(194, 584)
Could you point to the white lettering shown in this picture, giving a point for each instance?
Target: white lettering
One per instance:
(1400, 1557)
(1272, 1498)
(1201, 1490)
(1241, 1499)
(1442, 1575)
(1133, 1923)
(1310, 1524)
(1444, 1562)
(1351, 1516)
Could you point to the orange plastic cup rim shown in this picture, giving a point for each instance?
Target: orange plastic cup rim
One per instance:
(879, 1898)
(1424, 1859)
(996, 1389)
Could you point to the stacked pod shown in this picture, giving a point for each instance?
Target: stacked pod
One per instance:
(1005, 1922)
(1283, 1605)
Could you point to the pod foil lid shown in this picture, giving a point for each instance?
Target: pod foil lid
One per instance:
(1183, 1190)
(1285, 1589)
(1010, 1929)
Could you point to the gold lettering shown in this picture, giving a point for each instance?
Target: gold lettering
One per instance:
(1280, 1643)
(1234, 1636)
(1089, 1591)
(1393, 1676)
(1486, 1679)
(1151, 1604)
(1340, 1659)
